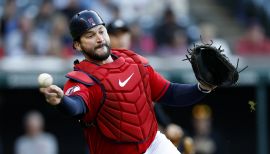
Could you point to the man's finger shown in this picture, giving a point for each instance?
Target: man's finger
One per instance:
(42, 90)
(56, 89)
(50, 95)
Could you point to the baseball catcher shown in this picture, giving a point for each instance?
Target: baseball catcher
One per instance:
(111, 92)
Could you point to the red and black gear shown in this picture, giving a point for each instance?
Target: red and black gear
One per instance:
(124, 116)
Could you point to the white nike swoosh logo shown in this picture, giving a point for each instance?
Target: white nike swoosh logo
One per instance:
(122, 84)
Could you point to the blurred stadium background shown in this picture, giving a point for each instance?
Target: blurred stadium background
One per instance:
(34, 39)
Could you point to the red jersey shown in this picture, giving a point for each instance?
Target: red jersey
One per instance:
(93, 96)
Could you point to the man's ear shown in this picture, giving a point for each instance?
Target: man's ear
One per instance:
(77, 45)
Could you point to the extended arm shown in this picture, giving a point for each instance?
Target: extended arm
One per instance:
(70, 105)
(182, 94)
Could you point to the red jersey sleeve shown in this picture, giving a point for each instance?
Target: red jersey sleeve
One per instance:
(158, 84)
(91, 95)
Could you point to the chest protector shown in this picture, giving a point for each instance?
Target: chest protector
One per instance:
(126, 114)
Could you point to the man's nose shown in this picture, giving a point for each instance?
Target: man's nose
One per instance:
(100, 38)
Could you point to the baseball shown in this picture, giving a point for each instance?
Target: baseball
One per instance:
(45, 80)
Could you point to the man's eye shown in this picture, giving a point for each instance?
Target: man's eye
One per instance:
(89, 35)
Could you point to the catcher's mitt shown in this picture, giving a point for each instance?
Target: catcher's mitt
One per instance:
(211, 67)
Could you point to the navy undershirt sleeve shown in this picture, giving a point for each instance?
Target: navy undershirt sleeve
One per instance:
(182, 95)
(72, 106)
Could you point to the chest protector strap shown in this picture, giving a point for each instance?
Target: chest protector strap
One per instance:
(80, 77)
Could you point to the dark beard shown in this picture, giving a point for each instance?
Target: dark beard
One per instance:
(96, 57)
